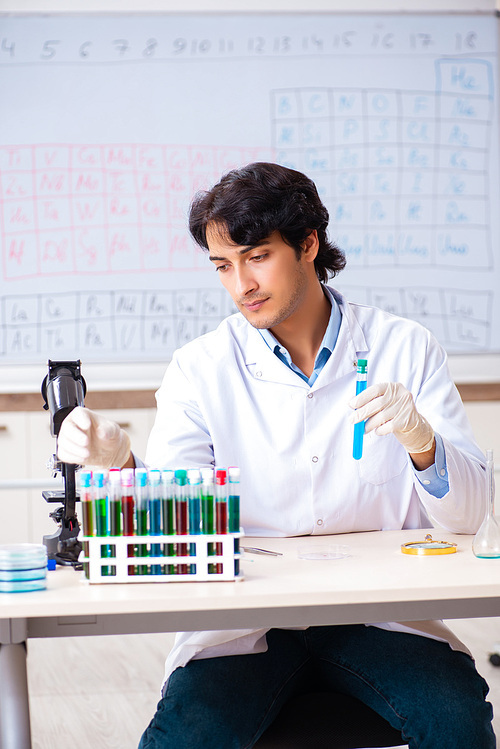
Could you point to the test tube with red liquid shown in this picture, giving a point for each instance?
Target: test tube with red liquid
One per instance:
(128, 508)
(220, 510)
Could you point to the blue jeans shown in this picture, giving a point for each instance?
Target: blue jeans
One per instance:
(429, 692)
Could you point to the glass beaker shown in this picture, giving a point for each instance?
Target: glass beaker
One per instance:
(486, 543)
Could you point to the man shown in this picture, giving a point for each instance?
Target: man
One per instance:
(271, 390)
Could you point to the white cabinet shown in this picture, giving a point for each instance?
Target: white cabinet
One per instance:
(14, 463)
(484, 418)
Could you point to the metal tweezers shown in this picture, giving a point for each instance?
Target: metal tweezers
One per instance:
(255, 550)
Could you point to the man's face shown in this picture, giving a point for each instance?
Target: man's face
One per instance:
(267, 282)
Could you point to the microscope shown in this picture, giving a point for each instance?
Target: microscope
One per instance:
(63, 389)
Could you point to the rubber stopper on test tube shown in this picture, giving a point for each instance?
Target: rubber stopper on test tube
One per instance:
(193, 476)
(141, 477)
(181, 477)
(154, 477)
(221, 476)
(85, 479)
(98, 479)
(233, 474)
(167, 476)
(127, 476)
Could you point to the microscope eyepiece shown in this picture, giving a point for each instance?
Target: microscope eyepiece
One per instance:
(62, 389)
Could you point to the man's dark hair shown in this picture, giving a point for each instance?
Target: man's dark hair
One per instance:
(252, 202)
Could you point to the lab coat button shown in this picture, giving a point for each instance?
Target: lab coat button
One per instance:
(258, 374)
(309, 395)
(315, 459)
(319, 522)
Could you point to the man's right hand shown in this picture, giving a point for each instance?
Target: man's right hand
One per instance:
(87, 438)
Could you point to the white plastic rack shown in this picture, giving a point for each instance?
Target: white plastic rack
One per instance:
(130, 559)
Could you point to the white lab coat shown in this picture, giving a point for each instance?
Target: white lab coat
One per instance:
(226, 399)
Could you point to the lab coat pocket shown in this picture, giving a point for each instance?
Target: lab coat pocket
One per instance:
(382, 460)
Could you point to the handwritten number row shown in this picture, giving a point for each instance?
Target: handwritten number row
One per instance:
(257, 45)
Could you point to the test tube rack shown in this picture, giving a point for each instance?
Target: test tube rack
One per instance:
(123, 559)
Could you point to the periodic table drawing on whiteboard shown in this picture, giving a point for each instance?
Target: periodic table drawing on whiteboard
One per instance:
(112, 127)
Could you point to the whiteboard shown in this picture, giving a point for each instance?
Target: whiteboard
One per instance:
(110, 124)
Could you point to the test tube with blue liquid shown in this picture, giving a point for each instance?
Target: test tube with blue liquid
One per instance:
(194, 505)
(155, 496)
(359, 428)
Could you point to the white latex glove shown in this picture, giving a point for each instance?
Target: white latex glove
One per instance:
(87, 438)
(389, 407)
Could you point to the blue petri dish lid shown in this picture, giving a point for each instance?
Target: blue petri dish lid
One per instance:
(39, 573)
(22, 556)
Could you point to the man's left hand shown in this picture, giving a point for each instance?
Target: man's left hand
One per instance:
(389, 407)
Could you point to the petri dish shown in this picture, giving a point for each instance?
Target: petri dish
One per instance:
(22, 556)
(324, 552)
(23, 567)
(22, 586)
(34, 574)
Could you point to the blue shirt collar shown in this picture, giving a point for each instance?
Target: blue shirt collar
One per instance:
(325, 349)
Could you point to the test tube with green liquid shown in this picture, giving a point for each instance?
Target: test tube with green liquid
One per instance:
(114, 507)
(194, 508)
(207, 509)
(101, 515)
(155, 496)
(141, 505)
(207, 501)
(115, 502)
(100, 503)
(168, 514)
(233, 507)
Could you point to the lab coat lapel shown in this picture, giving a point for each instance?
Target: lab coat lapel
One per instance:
(351, 344)
(263, 364)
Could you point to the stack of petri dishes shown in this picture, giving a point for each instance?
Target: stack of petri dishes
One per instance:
(23, 567)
